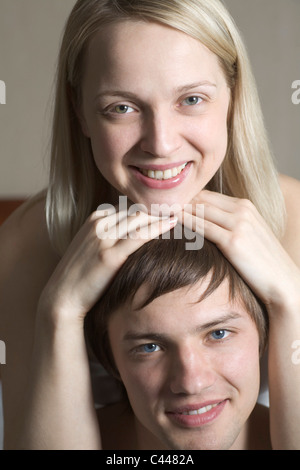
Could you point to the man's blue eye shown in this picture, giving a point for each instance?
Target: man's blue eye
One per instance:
(150, 348)
(219, 334)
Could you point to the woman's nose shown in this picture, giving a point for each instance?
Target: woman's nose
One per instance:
(191, 373)
(161, 134)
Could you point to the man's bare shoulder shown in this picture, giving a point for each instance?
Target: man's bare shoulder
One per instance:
(259, 429)
(117, 427)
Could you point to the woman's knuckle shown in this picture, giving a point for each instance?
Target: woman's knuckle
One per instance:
(245, 204)
(93, 217)
(244, 210)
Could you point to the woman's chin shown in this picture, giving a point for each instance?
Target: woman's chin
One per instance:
(164, 207)
(155, 204)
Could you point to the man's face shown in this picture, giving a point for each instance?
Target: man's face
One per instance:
(191, 370)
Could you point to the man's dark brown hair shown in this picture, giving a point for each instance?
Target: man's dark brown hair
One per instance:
(165, 266)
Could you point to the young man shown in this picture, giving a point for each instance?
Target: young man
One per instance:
(184, 334)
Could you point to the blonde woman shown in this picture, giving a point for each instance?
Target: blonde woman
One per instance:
(155, 101)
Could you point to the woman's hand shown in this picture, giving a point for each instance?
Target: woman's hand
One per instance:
(98, 250)
(59, 411)
(240, 232)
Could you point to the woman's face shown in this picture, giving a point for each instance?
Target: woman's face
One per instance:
(154, 105)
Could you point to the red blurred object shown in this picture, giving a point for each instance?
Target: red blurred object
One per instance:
(7, 206)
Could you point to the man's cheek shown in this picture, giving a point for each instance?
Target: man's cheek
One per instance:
(242, 367)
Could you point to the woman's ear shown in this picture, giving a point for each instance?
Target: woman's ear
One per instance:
(78, 111)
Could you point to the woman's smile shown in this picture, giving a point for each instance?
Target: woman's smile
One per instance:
(163, 172)
(162, 179)
(157, 119)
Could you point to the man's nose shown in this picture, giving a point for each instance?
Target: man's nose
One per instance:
(161, 134)
(191, 372)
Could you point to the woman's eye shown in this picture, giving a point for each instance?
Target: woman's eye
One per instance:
(150, 348)
(220, 334)
(192, 100)
(122, 109)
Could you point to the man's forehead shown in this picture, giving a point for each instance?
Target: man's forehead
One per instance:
(191, 292)
(185, 298)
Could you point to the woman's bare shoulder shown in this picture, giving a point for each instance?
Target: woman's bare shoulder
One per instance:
(25, 232)
(291, 189)
(27, 258)
(27, 262)
(291, 240)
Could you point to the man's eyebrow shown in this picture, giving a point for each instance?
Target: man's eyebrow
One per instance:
(132, 335)
(135, 336)
(220, 320)
(130, 95)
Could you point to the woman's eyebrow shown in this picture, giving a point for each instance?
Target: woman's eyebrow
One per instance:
(132, 335)
(190, 86)
(130, 95)
(120, 93)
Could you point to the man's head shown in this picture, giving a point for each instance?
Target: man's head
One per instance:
(184, 334)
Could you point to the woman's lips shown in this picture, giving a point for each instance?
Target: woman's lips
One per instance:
(197, 415)
(154, 177)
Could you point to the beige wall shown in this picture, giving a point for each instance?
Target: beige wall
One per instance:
(29, 37)
(271, 30)
(30, 32)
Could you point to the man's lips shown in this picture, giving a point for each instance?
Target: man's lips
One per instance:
(202, 407)
(197, 415)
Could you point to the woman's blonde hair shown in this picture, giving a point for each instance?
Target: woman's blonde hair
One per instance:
(76, 186)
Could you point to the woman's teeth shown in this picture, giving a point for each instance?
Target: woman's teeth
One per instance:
(163, 175)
